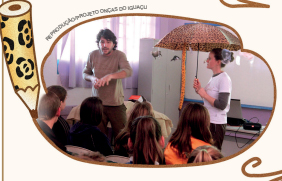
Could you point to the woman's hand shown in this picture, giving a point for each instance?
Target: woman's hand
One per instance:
(197, 85)
(201, 91)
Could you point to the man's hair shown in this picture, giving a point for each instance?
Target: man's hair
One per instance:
(59, 91)
(108, 35)
(91, 111)
(48, 106)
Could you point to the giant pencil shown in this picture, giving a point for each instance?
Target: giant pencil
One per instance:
(18, 48)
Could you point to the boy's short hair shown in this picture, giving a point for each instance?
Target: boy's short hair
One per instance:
(59, 91)
(48, 106)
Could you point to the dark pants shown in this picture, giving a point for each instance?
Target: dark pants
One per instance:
(218, 132)
(116, 115)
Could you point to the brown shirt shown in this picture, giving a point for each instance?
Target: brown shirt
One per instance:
(100, 65)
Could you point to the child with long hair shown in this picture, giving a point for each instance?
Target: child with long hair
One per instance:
(192, 131)
(85, 133)
(146, 141)
(139, 109)
(204, 154)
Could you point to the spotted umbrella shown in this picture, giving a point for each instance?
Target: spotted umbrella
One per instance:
(197, 37)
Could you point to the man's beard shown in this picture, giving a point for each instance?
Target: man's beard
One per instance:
(109, 51)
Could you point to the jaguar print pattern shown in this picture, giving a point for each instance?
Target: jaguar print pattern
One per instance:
(207, 36)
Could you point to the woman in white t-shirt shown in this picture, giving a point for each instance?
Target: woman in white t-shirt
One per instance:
(217, 93)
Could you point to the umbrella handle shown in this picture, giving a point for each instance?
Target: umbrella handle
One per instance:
(197, 61)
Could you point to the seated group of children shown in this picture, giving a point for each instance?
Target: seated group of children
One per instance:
(141, 139)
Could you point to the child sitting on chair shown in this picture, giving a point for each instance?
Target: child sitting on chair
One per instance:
(140, 109)
(146, 141)
(85, 133)
(192, 131)
(61, 128)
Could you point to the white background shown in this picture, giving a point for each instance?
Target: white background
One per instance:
(28, 156)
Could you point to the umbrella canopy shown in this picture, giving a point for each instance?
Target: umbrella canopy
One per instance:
(204, 36)
(197, 37)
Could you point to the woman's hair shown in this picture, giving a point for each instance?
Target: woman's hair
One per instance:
(145, 134)
(48, 106)
(218, 55)
(108, 35)
(91, 111)
(59, 91)
(204, 154)
(194, 121)
(139, 109)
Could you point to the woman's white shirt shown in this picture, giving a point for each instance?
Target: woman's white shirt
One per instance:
(218, 84)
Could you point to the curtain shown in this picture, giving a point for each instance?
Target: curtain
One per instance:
(74, 47)
(131, 30)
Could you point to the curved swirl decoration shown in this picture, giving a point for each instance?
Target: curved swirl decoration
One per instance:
(248, 4)
(258, 162)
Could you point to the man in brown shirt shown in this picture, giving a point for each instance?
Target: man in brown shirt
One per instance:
(105, 68)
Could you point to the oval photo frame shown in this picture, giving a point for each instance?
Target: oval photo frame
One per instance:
(159, 166)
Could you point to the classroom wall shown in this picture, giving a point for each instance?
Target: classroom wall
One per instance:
(165, 25)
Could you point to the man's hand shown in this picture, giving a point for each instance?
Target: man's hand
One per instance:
(104, 80)
(95, 85)
(93, 81)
